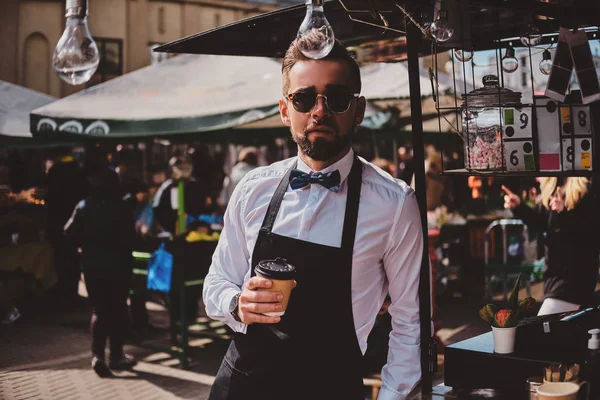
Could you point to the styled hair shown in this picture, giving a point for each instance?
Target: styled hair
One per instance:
(338, 53)
(249, 155)
(575, 189)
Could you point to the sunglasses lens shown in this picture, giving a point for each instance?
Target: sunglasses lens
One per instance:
(304, 102)
(338, 102)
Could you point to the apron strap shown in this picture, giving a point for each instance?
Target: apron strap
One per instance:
(352, 201)
(269, 221)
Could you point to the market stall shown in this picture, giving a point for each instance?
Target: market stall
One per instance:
(406, 28)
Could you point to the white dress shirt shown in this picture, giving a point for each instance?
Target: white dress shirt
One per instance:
(387, 253)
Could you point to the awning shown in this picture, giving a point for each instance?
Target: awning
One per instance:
(183, 95)
(16, 102)
(209, 95)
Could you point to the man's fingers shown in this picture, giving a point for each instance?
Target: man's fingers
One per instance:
(260, 308)
(559, 192)
(507, 190)
(253, 318)
(262, 296)
(257, 282)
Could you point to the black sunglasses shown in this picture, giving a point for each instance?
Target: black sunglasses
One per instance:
(336, 102)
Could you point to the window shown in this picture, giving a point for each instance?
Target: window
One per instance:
(523, 61)
(524, 79)
(161, 20)
(217, 20)
(111, 60)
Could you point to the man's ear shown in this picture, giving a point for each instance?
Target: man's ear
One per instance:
(283, 111)
(361, 106)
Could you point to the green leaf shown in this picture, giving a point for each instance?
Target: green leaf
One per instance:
(513, 300)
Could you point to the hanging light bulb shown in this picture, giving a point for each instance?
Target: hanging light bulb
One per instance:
(75, 57)
(463, 55)
(509, 61)
(546, 63)
(531, 36)
(440, 29)
(316, 25)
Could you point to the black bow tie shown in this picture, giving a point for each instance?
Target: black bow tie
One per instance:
(330, 180)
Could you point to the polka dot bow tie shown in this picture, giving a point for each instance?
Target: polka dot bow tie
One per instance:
(330, 180)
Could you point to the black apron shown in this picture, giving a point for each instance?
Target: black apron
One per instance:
(313, 352)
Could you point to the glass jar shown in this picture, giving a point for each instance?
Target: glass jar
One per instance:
(482, 122)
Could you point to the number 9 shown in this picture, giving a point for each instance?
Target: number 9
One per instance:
(524, 118)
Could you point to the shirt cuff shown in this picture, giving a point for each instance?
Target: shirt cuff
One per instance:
(236, 326)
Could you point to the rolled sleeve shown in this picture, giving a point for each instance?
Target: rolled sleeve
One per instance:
(402, 262)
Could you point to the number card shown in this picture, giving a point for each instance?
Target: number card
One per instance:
(581, 154)
(575, 119)
(517, 123)
(548, 133)
(581, 120)
(519, 156)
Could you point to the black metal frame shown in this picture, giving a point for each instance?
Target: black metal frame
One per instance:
(504, 171)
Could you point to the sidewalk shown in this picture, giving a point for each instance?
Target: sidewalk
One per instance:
(47, 356)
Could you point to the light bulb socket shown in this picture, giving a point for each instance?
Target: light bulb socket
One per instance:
(76, 8)
(510, 52)
(546, 55)
(315, 3)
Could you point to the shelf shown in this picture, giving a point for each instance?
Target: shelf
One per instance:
(464, 172)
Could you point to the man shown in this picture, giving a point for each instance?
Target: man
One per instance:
(67, 186)
(247, 160)
(353, 234)
(166, 200)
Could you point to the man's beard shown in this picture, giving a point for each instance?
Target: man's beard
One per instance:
(322, 149)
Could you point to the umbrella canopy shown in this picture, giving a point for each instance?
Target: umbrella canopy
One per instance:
(16, 102)
(185, 94)
(208, 94)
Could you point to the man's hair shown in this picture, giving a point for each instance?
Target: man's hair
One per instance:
(249, 155)
(338, 53)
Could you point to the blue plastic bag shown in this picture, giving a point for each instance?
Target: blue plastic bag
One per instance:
(160, 270)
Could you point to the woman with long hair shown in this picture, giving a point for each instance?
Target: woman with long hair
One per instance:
(568, 218)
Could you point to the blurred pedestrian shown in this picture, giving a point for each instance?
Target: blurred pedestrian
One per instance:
(384, 164)
(67, 186)
(102, 227)
(569, 218)
(246, 162)
(406, 167)
(196, 198)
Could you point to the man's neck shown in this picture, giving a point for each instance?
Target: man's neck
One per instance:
(316, 165)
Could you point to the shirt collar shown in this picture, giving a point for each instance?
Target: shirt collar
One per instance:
(343, 165)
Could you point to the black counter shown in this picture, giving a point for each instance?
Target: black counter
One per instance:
(472, 364)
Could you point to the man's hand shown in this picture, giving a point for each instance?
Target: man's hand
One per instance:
(511, 200)
(556, 202)
(253, 302)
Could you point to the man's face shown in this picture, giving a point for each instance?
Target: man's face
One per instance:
(320, 133)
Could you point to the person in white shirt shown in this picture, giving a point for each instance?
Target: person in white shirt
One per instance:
(352, 232)
(246, 162)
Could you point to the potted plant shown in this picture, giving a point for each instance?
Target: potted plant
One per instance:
(504, 320)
